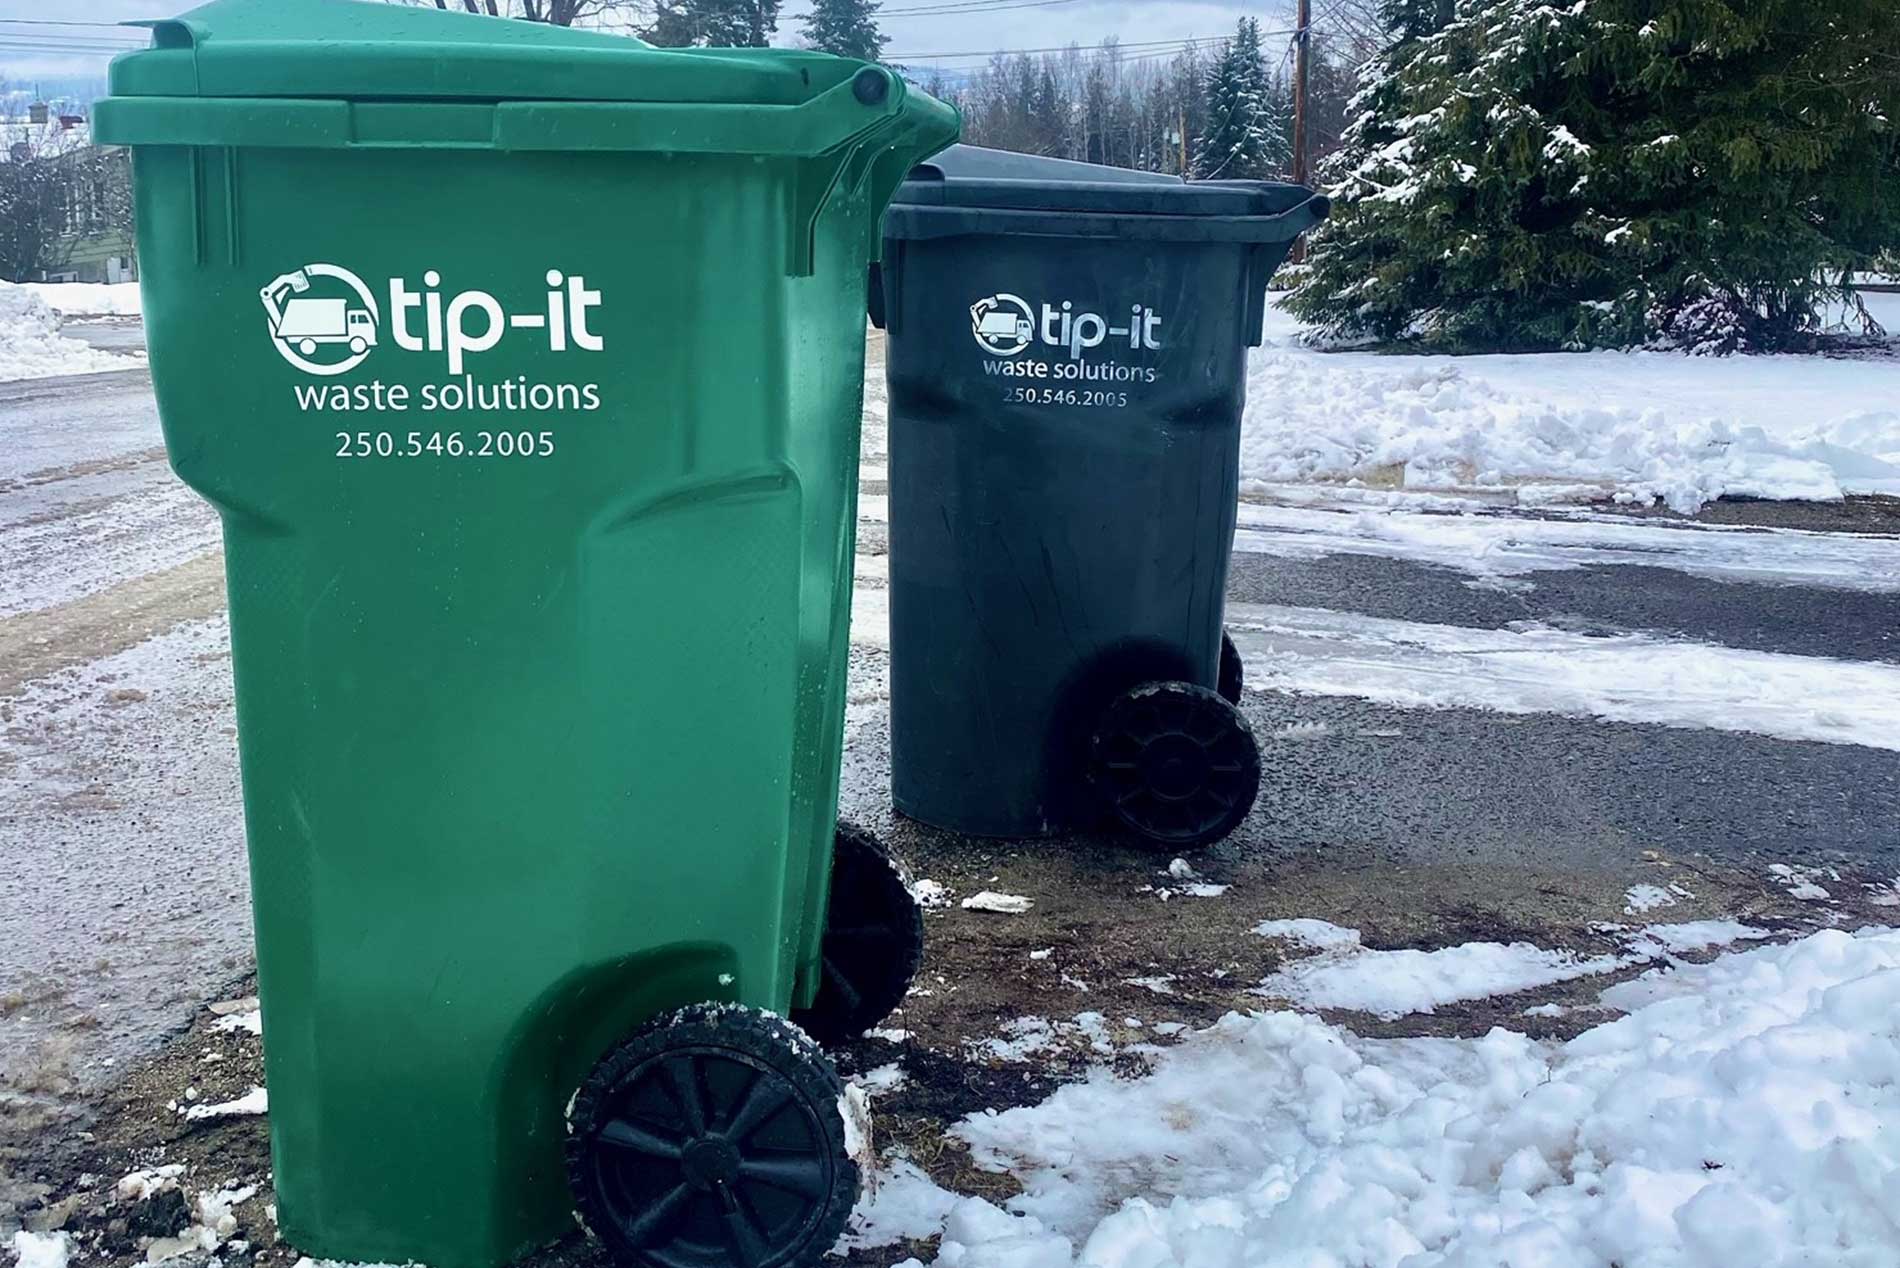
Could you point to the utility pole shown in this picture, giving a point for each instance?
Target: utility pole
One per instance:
(1302, 36)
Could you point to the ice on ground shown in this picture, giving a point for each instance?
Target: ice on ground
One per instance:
(1001, 904)
(1641, 898)
(1536, 669)
(1633, 425)
(1750, 1116)
(1321, 935)
(1696, 935)
(1393, 984)
(89, 299)
(255, 1101)
(1800, 882)
(1500, 547)
(41, 1250)
(137, 752)
(31, 346)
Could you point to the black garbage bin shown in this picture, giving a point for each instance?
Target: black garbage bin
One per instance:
(1067, 366)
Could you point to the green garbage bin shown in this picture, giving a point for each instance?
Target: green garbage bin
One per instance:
(523, 366)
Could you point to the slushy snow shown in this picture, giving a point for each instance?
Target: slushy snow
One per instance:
(31, 346)
(1536, 669)
(1491, 547)
(1573, 427)
(1395, 983)
(1746, 1111)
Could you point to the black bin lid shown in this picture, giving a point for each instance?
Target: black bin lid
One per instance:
(969, 190)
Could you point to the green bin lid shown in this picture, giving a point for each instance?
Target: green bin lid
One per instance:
(389, 52)
(343, 74)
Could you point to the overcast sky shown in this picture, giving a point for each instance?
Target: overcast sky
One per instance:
(28, 52)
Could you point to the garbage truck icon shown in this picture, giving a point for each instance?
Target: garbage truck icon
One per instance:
(1003, 324)
(302, 325)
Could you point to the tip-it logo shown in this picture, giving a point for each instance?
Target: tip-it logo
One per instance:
(1005, 325)
(324, 319)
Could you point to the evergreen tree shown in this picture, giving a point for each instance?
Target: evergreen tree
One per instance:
(713, 23)
(845, 27)
(1524, 176)
(1242, 139)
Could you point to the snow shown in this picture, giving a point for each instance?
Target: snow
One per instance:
(904, 1204)
(1746, 1112)
(250, 1022)
(31, 346)
(136, 1186)
(1635, 425)
(1489, 546)
(929, 893)
(255, 1101)
(1799, 882)
(1394, 984)
(89, 299)
(1697, 935)
(1001, 904)
(1531, 668)
(41, 1250)
(1306, 932)
(1641, 898)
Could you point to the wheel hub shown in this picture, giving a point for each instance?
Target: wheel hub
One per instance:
(709, 1162)
(1174, 767)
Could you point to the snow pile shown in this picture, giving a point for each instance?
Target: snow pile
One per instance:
(1394, 983)
(31, 346)
(1574, 426)
(89, 299)
(41, 1250)
(1745, 1112)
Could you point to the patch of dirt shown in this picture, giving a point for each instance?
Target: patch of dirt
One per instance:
(1866, 513)
(1114, 962)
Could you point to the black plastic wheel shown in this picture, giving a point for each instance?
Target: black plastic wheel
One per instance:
(713, 1139)
(874, 940)
(1176, 765)
(1233, 676)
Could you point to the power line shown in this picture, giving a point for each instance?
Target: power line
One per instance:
(1053, 48)
(968, 6)
(57, 22)
(1161, 48)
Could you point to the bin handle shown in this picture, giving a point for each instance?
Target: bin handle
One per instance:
(836, 117)
(938, 221)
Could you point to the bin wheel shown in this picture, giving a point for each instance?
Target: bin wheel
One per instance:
(1176, 765)
(874, 940)
(713, 1138)
(1233, 675)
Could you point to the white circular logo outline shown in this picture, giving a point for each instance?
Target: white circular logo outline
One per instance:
(995, 343)
(275, 293)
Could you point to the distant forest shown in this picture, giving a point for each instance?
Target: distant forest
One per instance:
(1217, 109)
